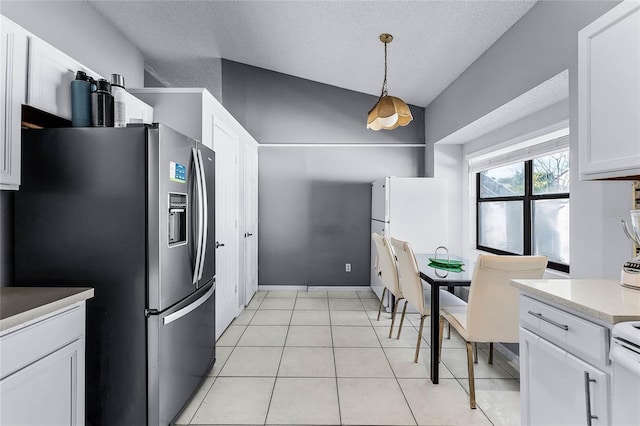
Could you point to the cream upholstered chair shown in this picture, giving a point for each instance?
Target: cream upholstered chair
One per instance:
(413, 288)
(492, 311)
(387, 271)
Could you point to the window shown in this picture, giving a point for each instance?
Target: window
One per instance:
(523, 208)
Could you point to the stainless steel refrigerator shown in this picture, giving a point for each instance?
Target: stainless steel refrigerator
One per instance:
(130, 212)
(413, 209)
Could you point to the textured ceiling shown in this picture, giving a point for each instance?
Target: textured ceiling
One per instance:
(332, 42)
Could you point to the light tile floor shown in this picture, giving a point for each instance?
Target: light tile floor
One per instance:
(321, 358)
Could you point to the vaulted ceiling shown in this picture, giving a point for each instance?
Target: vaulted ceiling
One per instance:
(332, 42)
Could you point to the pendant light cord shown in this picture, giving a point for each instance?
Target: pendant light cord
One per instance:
(383, 93)
(384, 83)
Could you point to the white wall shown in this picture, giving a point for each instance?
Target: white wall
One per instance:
(542, 44)
(448, 159)
(78, 30)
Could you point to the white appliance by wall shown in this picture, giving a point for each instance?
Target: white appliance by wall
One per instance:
(409, 209)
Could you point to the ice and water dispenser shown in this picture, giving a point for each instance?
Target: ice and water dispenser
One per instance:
(177, 219)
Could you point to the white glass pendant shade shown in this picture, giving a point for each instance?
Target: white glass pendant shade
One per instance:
(389, 113)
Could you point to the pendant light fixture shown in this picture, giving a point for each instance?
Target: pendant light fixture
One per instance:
(389, 112)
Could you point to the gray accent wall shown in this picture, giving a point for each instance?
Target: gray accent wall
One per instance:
(314, 202)
(279, 108)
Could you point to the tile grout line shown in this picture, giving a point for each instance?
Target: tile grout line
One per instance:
(415, 420)
(334, 362)
(335, 365)
(275, 379)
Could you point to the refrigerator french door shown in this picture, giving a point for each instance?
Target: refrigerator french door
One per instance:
(130, 212)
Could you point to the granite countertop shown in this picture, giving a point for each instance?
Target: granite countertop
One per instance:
(606, 300)
(21, 304)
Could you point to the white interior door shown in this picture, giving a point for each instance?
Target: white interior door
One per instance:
(251, 222)
(225, 145)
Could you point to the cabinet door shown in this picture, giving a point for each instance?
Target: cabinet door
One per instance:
(48, 392)
(609, 94)
(50, 75)
(13, 78)
(556, 388)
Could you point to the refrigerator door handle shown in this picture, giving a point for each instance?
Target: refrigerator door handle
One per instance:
(205, 209)
(189, 308)
(196, 267)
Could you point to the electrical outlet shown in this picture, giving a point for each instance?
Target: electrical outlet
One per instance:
(347, 267)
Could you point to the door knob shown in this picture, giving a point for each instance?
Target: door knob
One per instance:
(248, 234)
(219, 245)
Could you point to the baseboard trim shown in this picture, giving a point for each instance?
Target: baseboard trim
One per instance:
(338, 288)
(263, 287)
(272, 287)
(513, 359)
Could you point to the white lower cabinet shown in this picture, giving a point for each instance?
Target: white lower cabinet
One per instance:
(559, 389)
(565, 378)
(45, 392)
(42, 370)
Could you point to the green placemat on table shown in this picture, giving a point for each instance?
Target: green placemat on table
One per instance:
(447, 262)
(447, 267)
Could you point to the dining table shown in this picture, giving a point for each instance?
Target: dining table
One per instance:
(441, 277)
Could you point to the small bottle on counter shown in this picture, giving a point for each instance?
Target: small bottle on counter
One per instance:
(119, 101)
(102, 105)
(81, 100)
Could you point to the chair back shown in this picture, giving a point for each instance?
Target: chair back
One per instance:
(492, 314)
(409, 274)
(387, 269)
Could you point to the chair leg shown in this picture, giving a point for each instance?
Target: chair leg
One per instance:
(490, 352)
(475, 352)
(384, 291)
(393, 316)
(415, 359)
(440, 333)
(404, 310)
(449, 331)
(472, 386)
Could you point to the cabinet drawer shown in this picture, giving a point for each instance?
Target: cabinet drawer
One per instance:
(34, 341)
(579, 336)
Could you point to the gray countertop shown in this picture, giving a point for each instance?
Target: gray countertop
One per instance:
(21, 304)
(606, 300)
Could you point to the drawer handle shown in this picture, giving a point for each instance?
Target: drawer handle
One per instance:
(587, 395)
(550, 321)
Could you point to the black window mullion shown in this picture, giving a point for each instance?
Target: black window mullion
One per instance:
(526, 208)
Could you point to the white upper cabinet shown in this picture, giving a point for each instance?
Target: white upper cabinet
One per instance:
(50, 75)
(609, 94)
(13, 78)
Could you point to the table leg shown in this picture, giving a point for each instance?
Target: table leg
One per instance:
(435, 326)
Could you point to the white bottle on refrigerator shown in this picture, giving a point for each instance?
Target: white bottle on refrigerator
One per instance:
(119, 101)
